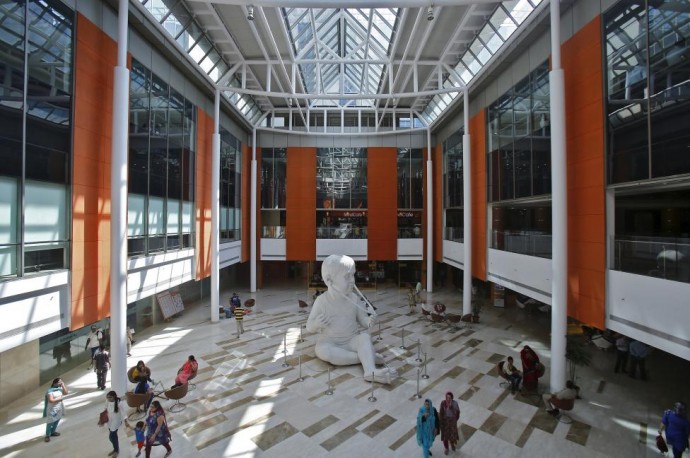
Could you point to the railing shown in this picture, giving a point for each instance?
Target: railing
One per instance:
(273, 232)
(338, 232)
(661, 257)
(528, 243)
(409, 233)
(455, 234)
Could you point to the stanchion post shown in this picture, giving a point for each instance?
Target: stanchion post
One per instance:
(300, 379)
(329, 391)
(372, 398)
(419, 350)
(425, 375)
(285, 363)
(403, 339)
(379, 338)
(417, 395)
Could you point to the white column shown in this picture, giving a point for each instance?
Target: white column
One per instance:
(559, 208)
(215, 210)
(252, 216)
(118, 209)
(429, 216)
(467, 210)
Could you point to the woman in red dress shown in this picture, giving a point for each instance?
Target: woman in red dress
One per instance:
(532, 369)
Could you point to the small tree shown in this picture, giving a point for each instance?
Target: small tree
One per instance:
(577, 354)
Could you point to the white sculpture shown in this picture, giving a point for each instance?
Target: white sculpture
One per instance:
(337, 315)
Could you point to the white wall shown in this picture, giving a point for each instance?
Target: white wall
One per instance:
(528, 275)
(454, 253)
(410, 249)
(273, 249)
(149, 275)
(32, 307)
(652, 310)
(229, 253)
(355, 248)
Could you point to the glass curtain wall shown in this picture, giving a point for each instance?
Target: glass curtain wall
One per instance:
(230, 187)
(162, 144)
(341, 193)
(410, 192)
(36, 71)
(453, 183)
(519, 164)
(648, 113)
(273, 192)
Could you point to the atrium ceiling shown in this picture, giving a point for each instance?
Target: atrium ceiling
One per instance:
(281, 63)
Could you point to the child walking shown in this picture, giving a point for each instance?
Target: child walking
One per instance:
(239, 316)
(138, 434)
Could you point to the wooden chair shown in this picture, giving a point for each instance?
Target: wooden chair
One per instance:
(135, 401)
(302, 306)
(564, 405)
(454, 320)
(437, 319)
(192, 386)
(175, 394)
(249, 303)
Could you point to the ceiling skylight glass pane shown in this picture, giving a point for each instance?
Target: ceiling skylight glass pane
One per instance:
(503, 23)
(492, 40)
(157, 8)
(519, 9)
(480, 51)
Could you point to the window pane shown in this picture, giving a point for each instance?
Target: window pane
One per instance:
(8, 210)
(45, 214)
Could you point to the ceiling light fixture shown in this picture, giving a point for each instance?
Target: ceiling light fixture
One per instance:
(430, 13)
(250, 12)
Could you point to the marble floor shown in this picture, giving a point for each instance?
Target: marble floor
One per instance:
(248, 404)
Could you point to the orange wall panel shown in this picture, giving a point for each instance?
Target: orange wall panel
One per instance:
(95, 57)
(203, 194)
(478, 167)
(438, 202)
(300, 204)
(382, 217)
(581, 57)
(246, 202)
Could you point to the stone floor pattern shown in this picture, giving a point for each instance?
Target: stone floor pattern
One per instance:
(248, 404)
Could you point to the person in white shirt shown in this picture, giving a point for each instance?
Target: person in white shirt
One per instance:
(93, 341)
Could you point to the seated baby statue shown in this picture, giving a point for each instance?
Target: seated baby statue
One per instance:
(337, 315)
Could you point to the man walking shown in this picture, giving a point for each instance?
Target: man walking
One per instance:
(93, 341)
(638, 354)
(102, 362)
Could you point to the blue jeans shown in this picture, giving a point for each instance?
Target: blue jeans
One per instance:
(114, 440)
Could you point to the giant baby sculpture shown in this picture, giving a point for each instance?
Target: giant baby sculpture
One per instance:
(337, 315)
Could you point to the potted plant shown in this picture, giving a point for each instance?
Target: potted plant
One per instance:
(577, 354)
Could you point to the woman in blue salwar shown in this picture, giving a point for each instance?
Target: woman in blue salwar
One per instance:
(426, 427)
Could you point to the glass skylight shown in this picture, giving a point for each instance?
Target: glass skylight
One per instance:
(318, 34)
(181, 26)
(503, 23)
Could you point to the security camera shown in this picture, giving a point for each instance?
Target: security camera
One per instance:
(430, 14)
(250, 13)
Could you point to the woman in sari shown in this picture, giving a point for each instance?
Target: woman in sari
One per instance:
(53, 408)
(157, 432)
(187, 371)
(426, 427)
(532, 369)
(449, 415)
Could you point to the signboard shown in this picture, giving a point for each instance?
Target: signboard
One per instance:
(170, 303)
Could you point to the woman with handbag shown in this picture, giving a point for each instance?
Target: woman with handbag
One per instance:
(450, 414)
(677, 427)
(157, 431)
(112, 416)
